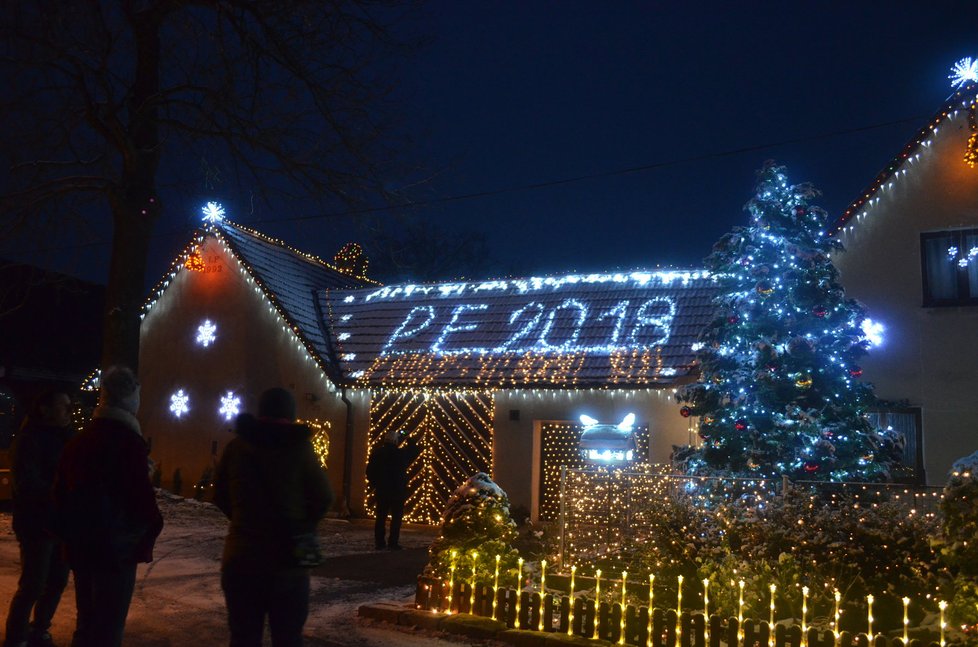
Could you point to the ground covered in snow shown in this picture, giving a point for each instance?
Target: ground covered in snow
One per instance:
(178, 599)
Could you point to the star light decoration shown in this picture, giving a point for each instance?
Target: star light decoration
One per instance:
(964, 72)
(213, 212)
(230, 405)
(179, 403)
(206, 333)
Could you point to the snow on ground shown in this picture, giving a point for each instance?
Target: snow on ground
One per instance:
(178, 598)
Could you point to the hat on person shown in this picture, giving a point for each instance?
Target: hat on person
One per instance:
(276, 403)
(118, 387)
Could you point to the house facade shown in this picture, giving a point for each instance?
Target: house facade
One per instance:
(911, 258)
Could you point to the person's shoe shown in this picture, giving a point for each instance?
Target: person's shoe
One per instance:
(394, 547)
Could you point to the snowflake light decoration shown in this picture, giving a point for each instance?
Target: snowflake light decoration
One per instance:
(965, 259)
(206, 333)
(213, 212)
(179, 403)
(964, 72)
(873, 331)
(230, 405)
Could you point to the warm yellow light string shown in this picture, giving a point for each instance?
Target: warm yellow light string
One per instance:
(495, 588)
(770, 640)
(740, 610)
(835, 624)
(451, 581)
(570, 614)
(475, 557)
(597, 600)
(906, 620)
(679, 609)
(869, 617)
(648, 641)
(942, 605)
(706, 609)
(543, 589)
(519, 589)
(804, 616)
(621, 633)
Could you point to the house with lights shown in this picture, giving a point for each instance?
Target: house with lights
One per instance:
(911, 258)
(489, 376)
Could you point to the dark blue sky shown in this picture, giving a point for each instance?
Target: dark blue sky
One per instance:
(509, 94)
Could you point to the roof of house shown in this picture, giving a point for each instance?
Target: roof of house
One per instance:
(616, 330)
(965, 98)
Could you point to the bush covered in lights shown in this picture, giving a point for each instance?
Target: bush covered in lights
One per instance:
(779, 390)
(825, 543)
(959, 542)
(476, 527)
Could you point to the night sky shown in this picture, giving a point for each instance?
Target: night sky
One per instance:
(510, 95)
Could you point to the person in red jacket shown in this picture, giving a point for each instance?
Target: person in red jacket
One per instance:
(106, 510)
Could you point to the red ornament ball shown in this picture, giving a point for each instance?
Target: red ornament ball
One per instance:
(800, 211)
(733, 319)
(855, 371)
(819, 311)
(685, 412)
(811, 467)
(740, 425)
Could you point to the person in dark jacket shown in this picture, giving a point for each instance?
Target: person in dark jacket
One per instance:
(387, 475)
(272, 488)
(106, 510)
(44, 573)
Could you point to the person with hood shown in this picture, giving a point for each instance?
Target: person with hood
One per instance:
(272, 488)
(106, 510)
(387, 475)
(44, 573)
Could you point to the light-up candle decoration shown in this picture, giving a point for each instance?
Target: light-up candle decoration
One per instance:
(906, 620)
(475, 557)
(597, 601)
(942, 605)
(621, 632)
(869, 617)
(543, 591)
(519, 589)
(706, 608)
(804, 616)
(451, 580)
(648, 642)
(679, 608)
(570, 613)
(770, 640)
(835, 624)
(740, 602)
(495, 588)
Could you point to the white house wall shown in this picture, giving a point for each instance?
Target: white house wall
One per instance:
(516, 443)
(929, 355)
(253, 351)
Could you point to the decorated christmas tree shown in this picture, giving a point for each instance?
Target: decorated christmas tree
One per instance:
(475, 528)
(779, 392)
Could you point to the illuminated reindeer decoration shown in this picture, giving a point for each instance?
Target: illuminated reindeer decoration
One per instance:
(609, 443)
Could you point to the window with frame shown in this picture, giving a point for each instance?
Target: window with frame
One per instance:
(906, 423)
(949, 267)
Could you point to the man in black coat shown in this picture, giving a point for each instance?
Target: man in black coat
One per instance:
(44, 573)
(272, 487)
(387, 475)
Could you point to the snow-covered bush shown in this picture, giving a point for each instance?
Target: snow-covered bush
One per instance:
(958, 543)
(476, 520)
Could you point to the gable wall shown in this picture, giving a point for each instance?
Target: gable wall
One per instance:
(929, 355)
(252, 352)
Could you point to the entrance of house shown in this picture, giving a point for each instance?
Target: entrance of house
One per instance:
(454, 431)
(560, 446)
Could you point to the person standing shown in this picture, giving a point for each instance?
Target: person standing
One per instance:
(387, 475)
(272, 488)
(106, 510)
(44, 573)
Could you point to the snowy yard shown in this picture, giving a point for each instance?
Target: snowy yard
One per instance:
(178, 599)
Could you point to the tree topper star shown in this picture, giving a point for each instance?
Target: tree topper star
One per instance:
(213, 212)
(964, 72)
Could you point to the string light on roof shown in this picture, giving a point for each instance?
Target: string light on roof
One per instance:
(206, 333)
(965, 71)
(213, 212)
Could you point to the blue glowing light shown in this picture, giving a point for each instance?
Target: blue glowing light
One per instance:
(213, 212)
(964, 72)
(873, 330)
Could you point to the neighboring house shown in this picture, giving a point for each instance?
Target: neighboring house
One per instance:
(489, 376)
(911, 258)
